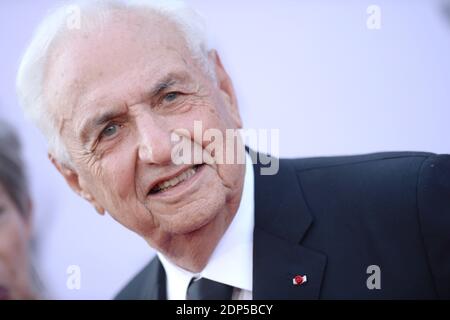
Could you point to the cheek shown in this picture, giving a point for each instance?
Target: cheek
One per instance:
(116, 181)
(117, 191)
(202, 117)
(211, 122)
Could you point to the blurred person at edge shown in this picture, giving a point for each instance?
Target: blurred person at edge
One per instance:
(16, 275)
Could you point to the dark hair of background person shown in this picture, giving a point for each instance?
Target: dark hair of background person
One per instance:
(12, 171)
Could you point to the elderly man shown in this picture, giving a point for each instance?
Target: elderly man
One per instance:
(115, 93)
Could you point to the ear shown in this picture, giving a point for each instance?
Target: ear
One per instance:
(73, 180)
(226, 86)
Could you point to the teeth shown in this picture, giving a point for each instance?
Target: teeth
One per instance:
(176, 180)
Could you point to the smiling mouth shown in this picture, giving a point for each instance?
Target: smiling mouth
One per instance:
(171, 183)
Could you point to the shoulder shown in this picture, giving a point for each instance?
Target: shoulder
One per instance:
(425, 175)
(433, 197)
(390, 159)
(383, 176)
(370, 175)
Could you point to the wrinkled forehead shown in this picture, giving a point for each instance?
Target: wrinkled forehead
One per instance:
(111, 58)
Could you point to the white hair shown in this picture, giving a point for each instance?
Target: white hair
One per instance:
(30, 77)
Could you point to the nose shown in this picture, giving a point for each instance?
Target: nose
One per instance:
(155, 145)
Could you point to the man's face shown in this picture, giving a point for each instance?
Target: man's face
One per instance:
(118, 94)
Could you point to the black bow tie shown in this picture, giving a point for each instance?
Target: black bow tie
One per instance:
(205, 289)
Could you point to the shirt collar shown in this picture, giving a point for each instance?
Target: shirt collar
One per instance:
(231, 262)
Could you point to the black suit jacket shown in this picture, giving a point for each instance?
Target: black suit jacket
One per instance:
(331, 218)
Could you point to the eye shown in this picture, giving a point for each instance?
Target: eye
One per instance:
(171, 96)
(110, 130)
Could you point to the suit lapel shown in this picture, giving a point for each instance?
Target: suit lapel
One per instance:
(282, 219)
(155, 284)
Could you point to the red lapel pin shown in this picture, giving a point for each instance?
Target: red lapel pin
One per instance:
(298, 280)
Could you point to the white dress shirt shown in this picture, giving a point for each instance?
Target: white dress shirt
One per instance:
(231, 262)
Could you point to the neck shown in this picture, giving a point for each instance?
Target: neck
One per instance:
(192, 251)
